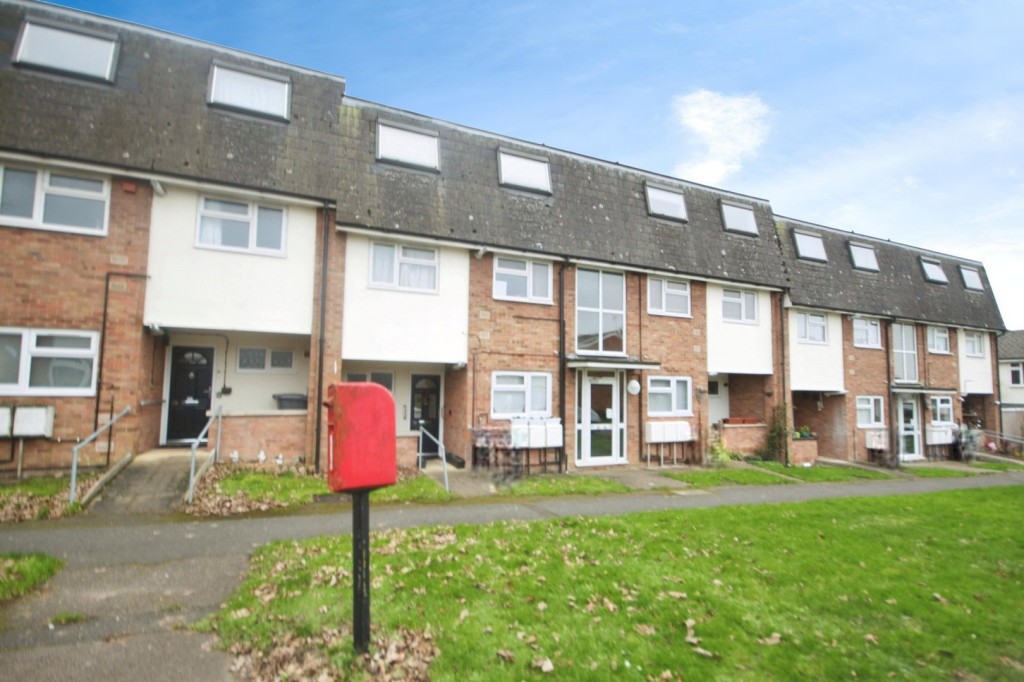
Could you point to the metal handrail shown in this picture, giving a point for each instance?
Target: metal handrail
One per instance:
(195, 445)
(88, 439)
(440, 451)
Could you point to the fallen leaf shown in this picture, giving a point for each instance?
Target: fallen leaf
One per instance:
(646, 630)
(544, 665)
(1010, 663)
(871, 639)
(939, 598)
(542, 606)
(506, 656)
(677, 595)
(463, 615)
(774, 639)
(705, 652)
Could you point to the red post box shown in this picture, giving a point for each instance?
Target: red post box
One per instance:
(360, 437)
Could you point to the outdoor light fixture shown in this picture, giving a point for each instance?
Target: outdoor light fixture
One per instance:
(633, 387)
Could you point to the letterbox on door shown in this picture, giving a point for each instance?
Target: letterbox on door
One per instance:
(360, 437)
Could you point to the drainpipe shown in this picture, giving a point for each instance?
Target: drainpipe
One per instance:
(783, 326)
(561, 363)
(323, 335)
(103, 337)
(640, 402)
(888, 380)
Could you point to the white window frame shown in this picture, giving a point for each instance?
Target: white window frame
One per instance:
(872, 329)
(810, 246)
(36, 33)
(264, 94)
(807, 324)
(1017, 374)
(739, 218)
(529, 273)
(30, 351)
(44, 187)
(938, 341)
(601, 312)
(674, 382)
(399, 259)
(661, 291)
(251, 216)
(524, 171)
(875, 405)
(268, 361)
(863, 257)
(408, 146)
(933, 271)
(971, 278)
(974, 344)
(526, 389)
(747, 301)
(380, 377)
(665, 202)
(904, 358)
(940, 404)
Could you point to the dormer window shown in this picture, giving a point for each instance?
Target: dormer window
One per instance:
(249, 91)
(971, 278)
(863, 257)
(739, 218)
(810, 246)
(665, 203)
(523, 171)
(407, 146)
(933, 271)
(57, 48)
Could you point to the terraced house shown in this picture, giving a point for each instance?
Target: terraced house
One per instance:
(187, 229)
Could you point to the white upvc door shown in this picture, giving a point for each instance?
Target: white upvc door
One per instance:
(910, 428)
(600, 423)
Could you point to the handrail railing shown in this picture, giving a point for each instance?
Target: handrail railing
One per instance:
(440, 451)
(88, 439)
(195, 445)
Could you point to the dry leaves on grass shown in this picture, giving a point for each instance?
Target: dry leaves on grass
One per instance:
(209, 500)
(19, 506)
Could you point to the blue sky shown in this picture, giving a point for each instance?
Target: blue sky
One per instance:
(902, 120)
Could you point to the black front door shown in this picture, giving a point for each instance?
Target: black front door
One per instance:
(426, 412)
(191, 385)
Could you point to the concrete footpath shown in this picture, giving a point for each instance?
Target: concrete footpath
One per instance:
(140, 579)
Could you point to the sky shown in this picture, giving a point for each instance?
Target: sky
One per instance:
(903, 120)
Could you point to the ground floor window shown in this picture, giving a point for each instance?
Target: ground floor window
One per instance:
(870, 411)
(385, 379)
(48, 362)
(668, 397)
(942, 410)
(520, 394)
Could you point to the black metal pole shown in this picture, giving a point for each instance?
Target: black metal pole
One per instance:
(361, 569)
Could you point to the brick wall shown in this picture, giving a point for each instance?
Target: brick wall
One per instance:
(56, 280)
(827, 419)
(746, 439)
(866, 374)
(272, 434)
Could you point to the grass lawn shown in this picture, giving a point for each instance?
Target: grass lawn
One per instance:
(998, 466)
(416, 489)
(937, 472)
(287, 487)
(718, 477)
(44, 497)
(923, 587)
(822, 473)
(20, 573)
(561, 484)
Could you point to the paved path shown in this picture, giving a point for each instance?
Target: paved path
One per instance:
(141, 578)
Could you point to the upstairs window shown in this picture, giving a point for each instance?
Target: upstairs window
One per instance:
(523, 171)
(867, 333)
(265, 360)
(668, 297)
(942, 409)
(1017, 374)
(520, 394)
(739, 218)
(811, 328)
(974, 344)
(665, 203)
(739, 306)
(409, 268)
(249, 91)
(600, 312)
(938, 340)
(48, 363)
(904, 352)
(237, 226)
(407, 146)
(52, 200)
(522, 280)
(810, 246)
(92, 55)
(933, 271)
(668, 397)
(971, 278)
(863, 257)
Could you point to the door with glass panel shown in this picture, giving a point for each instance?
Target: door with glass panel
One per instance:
(910, 428)
(600, 425)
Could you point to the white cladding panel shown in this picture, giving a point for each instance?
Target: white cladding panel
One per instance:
(739, 347)
(200, 288)
(975, 373)
(1012, 395)
(816, 366)
(405, 326)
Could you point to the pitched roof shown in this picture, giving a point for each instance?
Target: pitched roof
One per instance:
(1011, 345)
(898, 288)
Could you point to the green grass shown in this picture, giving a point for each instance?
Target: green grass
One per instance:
(822, 473)
(922, 587)
(20, 573)
(417, 489)
(551, 485)
(286, 488)
(37, 487)
(720, 477)
(937, 472)
(998, 466)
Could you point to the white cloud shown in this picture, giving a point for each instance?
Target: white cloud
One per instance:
(727, 129)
